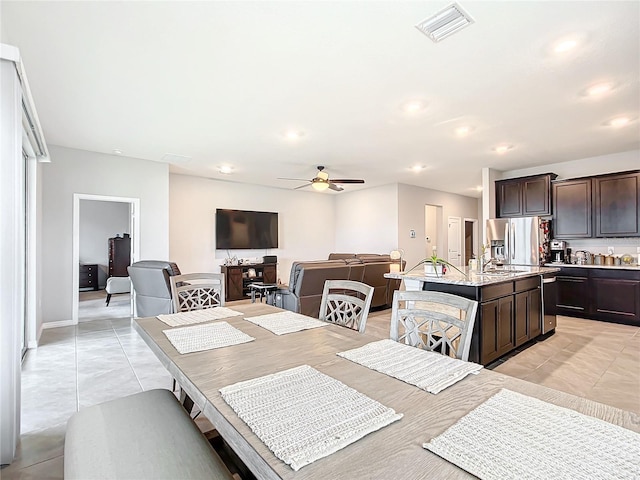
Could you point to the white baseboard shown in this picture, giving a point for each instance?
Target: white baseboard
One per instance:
(61, 323)
(34, 343)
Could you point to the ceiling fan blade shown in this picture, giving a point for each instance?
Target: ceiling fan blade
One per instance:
(298, 179)
(335, 187)
(346, 180)
(302, 186)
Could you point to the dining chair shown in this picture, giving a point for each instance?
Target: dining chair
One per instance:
(434, 321)
(196, 291)
(346, 303)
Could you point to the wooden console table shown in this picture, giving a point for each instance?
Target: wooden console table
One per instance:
(237, 278)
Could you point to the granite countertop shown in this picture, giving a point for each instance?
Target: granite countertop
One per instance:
(632, 266)
(474, 278)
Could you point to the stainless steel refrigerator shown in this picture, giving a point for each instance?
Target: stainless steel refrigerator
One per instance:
(519, 241)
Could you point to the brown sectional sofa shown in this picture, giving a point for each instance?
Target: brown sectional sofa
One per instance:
(306, 280)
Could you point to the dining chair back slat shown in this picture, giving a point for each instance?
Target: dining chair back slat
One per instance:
(346, 303)
(434, 321)
(197, 291)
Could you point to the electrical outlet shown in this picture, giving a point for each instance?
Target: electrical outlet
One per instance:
(638, 250)
(412, 234)
(610, 250)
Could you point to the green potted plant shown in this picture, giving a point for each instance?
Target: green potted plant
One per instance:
(434, 265)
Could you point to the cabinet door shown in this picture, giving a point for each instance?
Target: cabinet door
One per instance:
(572, 209)
(497, 328)
(489, 332)
(233, 284)
(521, 318)
(616, 299)
(269, 273)
(506, 335)
(573, 295)
(535, 313)
(508, 198)
(536, 196)
(617, 208)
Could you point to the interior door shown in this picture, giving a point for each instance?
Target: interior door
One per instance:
(454, 241)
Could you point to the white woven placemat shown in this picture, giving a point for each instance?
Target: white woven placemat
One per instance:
(429, 371)
(198, 316)
(205, 337)
(303, 415)
(514, 436)
(282, 323)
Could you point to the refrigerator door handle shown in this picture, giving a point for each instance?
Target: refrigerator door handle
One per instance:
(513, 242)
(507, 247)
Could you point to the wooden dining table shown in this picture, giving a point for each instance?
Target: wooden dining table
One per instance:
(393, 452)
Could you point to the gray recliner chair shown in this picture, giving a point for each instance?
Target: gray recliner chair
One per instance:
(150, 280)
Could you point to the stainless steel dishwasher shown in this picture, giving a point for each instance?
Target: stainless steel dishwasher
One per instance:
(549, 301)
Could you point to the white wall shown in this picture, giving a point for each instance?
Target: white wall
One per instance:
(99, 221)
(306, 222)
(367, 220)
(411, 202)
(79, 171)
(585, 167)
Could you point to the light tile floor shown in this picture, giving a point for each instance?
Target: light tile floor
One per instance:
(75, 367)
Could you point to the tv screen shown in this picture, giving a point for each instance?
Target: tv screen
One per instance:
(236, 229)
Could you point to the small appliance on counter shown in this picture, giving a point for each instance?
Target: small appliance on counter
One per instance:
(559, 251)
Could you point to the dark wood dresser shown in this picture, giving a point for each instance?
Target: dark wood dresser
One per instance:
(89, 276)
(119, 255)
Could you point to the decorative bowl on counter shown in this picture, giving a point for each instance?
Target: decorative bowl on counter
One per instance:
(627, 259)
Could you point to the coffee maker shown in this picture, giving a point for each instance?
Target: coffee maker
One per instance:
(559, 251)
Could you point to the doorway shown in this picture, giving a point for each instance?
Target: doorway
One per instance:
(470, 239)
(132, 221)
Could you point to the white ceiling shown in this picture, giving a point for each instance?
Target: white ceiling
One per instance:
(221, 82)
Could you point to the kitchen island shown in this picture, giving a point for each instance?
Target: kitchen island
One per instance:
(510, 310)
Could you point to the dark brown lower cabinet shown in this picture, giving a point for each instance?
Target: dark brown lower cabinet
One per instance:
(600, 294)
(572, 293)
(616, 299)
(509, 314)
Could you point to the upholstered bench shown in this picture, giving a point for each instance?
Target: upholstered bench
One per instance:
(147, 435)
(117, 285)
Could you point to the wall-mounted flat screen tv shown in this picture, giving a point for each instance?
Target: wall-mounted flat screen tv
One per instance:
(241, 229)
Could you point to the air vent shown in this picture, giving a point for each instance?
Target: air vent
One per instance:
(444, 23)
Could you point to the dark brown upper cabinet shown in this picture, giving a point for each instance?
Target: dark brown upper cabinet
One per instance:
(572, 209)
(601, 206)
(617, 205)
(524, 197)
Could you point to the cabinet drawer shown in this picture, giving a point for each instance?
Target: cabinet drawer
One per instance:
(527, 284)
(496, 291)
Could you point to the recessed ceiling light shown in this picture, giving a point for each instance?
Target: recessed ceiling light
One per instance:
(618, 122)
(293, 135)
(418, 168)
(565, 45)
(503, 148)
(117, 151)
(598, 89)
(414, 106)
(225, 169)
(464, 130)
(479, 188)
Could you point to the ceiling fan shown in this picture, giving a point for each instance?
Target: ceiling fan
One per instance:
(321, 181)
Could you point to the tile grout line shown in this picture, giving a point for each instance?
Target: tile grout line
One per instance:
(127, 356)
